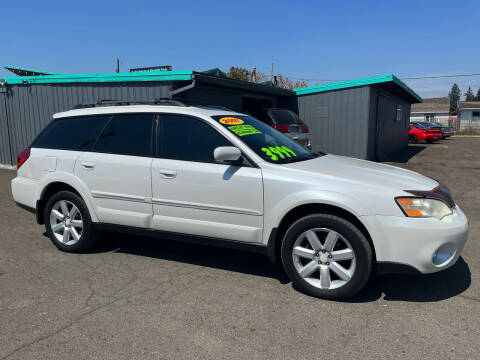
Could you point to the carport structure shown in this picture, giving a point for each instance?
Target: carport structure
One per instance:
(342, 116)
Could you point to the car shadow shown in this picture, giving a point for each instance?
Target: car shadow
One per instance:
(413, 288)
(405, 154)
(418, 288)
(202, 255)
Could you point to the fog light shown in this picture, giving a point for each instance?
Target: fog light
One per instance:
(443, 254)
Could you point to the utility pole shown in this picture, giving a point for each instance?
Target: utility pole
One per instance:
(253, 77)
(271, 73)
(117, 70)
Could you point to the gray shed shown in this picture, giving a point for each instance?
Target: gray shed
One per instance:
(365, 118)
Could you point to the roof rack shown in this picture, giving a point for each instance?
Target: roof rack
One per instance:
(156, 101)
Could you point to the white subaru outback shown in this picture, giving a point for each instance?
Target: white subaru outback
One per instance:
(223, 178)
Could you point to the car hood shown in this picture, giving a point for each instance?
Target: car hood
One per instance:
(367, 172)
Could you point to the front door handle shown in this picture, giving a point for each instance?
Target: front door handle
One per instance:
(167, 174)
(88, 165)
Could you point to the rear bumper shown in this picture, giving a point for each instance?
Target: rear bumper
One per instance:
(24, 191)
(427, 245)
(432, 137)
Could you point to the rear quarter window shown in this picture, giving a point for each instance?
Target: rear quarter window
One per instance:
(75, 133)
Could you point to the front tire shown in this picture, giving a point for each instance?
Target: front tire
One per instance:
(68, 222)
(326, 256)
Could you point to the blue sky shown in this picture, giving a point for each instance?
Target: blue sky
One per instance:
(306, 39)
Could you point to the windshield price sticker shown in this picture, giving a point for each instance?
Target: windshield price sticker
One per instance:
(275, 152)
(231, 121)
(242, 130)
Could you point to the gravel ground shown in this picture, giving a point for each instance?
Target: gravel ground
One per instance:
(139, 298)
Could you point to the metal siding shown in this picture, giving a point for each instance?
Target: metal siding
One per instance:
(231, 99)
(391, 135)
(338, 121)
(30, 107)
(5, 154)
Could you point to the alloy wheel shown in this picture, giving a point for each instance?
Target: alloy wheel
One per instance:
(324, 258)
(66, 222)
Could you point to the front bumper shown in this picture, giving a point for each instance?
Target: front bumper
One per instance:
(426, 244)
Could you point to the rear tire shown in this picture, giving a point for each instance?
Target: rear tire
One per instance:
(68, 222)
(326, 256)
(413, 138)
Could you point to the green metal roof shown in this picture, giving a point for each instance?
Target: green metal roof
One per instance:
(16, 69)
(388, 78)
(111, 77)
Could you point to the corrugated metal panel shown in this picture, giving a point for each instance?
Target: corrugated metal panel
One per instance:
(215, 96)
(31, 107)
(232, 99)
(5, 154)
(391, 134)
(338, 120)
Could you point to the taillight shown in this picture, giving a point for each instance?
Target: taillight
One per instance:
(304, 128)
(22, 157)
(281, 127)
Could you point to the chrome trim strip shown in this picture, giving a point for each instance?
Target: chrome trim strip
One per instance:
(205, 207)
(115, 196)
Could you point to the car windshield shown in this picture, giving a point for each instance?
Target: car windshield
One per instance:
(284, 116)
(270, 144)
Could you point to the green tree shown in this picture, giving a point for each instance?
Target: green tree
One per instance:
(469, 95)
(454, 96)
(477, 98)
(239, 73)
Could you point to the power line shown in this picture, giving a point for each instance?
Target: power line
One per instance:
(403, 78)
(439, 76)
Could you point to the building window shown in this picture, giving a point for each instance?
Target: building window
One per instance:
(430, 117)
(475, 115)
(399, 115)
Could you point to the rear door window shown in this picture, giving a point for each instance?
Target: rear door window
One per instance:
(127, 134)
(75, 133)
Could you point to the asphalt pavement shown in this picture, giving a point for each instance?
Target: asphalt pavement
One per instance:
(141, 298)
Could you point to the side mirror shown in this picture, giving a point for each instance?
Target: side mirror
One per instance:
(227, 155)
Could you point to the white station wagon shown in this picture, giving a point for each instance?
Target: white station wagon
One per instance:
(208, 175)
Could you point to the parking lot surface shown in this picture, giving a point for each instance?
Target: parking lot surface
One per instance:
(141, 298)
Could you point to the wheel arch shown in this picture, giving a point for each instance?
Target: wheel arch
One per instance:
(276, 234)
(52, 188)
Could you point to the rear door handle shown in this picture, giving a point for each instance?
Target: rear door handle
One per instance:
(88, 165)
(167, 174)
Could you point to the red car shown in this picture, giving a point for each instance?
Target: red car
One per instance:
(422, 132)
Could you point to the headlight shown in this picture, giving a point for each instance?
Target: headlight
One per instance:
(422, 207)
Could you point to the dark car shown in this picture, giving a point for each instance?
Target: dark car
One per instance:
(445, 130)
(285, 121)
